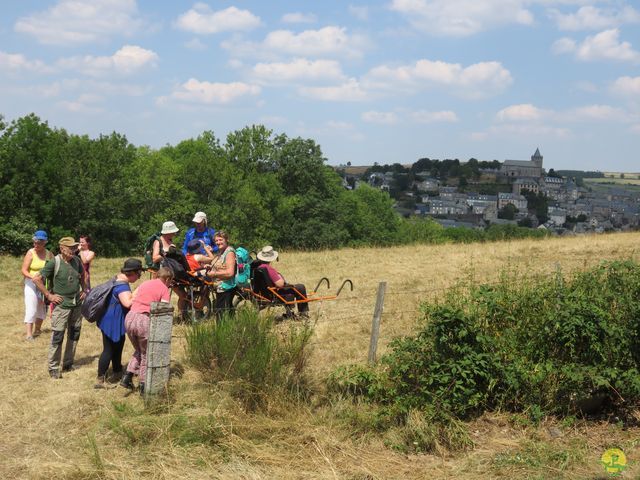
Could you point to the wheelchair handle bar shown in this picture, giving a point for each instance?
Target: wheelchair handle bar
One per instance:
(343, 284)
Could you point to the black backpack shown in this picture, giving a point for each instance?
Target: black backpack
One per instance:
(177, 263)
(97, 300)
(148, 251)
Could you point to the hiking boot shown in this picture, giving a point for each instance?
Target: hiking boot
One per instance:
(100, 383)
(69, 368)
(127, 381)
(55, 374)
(115, 377)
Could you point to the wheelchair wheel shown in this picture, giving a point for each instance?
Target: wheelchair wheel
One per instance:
(187, 312)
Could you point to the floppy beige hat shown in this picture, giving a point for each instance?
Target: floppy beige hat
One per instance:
(267, 254)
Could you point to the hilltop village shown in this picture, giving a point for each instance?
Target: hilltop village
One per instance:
(520, 192)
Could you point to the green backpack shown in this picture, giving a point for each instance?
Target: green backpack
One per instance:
(148, 251)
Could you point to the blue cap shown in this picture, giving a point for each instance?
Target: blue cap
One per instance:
(194, 246)
(41, 235)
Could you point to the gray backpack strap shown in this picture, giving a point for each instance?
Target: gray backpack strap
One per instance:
(57, 267)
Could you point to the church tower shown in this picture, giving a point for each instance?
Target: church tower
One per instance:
(537, 158)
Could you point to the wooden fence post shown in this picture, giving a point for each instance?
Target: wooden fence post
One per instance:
(375, 323)
(158, 348)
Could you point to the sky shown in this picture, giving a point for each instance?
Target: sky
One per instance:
(379, 81)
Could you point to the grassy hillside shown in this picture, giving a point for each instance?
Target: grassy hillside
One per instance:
(66, 429)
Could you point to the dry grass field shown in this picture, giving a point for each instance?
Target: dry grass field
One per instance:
(66, 429)
(612, 181)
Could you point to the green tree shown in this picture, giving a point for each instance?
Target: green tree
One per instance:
(508, 212)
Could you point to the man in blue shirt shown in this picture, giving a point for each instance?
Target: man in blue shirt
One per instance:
(201, 231)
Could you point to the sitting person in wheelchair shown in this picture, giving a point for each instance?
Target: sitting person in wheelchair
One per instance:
(198, 262)
(286, 290)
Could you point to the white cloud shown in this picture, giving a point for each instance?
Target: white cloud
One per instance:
(195, 44)
(203, 20)
(128, 60)
(382, 118)
(360, 12)
(461, 17)
(522, 112)
(195, 91)
(74, 21)
(527, 113)
(626, 86)
(85, 103)
(16, 62)
(298, 17)
(443, 116)
(328, 41)
(350, 91)
(602, 46)
(34, 91)
(298, 69)
(605, 46)
(597, 113)
(343, 128)
(563, 45)
(475, 81)
(589, 17)
(272, 120)
(526, 131)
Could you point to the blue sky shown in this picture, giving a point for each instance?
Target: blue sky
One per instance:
(380, 81)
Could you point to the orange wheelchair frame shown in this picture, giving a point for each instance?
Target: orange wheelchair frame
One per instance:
(263, 294)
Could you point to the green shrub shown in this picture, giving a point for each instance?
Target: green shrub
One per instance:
(544, 346)
(245, 350)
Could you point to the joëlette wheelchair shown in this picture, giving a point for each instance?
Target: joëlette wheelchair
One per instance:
(196, 290)
(262, 293)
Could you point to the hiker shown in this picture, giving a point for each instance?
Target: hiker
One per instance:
(297, 291)
(198, 262)
(112, 322)
(163, 244)
(66, 275)
(201, 231)
(224, 269)
(137, 324)
(34, 307)
(87, 256)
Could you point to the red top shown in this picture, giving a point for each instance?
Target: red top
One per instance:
(150, 291)
(193, 263)
(272, 272)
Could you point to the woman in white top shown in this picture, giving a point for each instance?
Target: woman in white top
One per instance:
(34, 260)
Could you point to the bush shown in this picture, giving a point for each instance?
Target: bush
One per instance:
(548, 345)
(246, 351)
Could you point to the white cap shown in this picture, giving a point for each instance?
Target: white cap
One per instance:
(199, 217)
(169, 227)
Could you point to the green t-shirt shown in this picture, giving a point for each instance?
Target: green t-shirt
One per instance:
(67, 282)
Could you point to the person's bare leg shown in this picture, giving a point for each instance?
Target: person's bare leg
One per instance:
(29, 327)
(38, 329)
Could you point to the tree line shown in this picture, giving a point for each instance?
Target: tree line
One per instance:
(259, 186)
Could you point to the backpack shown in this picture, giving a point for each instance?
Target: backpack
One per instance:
(243, 267)
(177, 263)
(148, 251)
(97, 300)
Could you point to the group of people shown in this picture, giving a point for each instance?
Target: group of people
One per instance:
(63, 281)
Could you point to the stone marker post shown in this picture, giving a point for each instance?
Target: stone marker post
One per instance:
(158, 348)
